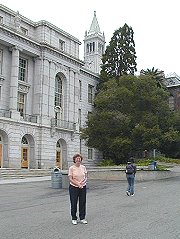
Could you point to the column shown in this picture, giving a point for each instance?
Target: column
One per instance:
(51, 88)
(37, 87)
(14, 83)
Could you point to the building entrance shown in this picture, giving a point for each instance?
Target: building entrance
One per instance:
(24, 153)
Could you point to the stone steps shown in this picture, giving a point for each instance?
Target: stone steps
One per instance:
(9, 173)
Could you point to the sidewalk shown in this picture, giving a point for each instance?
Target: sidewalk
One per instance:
(25, 180)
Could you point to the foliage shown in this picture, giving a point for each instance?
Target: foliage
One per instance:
(171, 143)
(106, 162)
(167, 160)
(156, 75)
(120, 56)
(143, 162)
(130, 114)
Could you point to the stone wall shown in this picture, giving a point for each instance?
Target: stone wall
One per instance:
(141, 175)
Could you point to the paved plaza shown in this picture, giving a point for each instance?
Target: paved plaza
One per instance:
(34, 210)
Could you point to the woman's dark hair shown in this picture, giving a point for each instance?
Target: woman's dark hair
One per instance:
(77, 155)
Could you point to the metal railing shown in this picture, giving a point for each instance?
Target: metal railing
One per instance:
(29, 118)
(23, 117)
(63, 124)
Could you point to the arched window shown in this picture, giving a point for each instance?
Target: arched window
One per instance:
(58, 145)
(24, 140)
(58, 92)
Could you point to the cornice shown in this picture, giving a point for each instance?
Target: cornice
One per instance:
(52, 50)
(41, 46)
(89, 73)
(51, 26)
(19, 37)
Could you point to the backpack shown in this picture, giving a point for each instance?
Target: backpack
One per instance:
(130, 169)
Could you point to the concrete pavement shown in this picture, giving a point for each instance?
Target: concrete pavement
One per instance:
(34, 210)
(25, 180)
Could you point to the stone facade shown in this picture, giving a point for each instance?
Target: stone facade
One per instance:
(172, 82)
(46, 92)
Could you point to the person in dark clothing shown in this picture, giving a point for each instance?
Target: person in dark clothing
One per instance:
(130, 175)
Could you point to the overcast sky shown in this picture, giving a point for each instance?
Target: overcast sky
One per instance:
(156, 24)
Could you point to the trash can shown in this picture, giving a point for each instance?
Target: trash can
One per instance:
(56, 178)
(151, 167)
(65, 179)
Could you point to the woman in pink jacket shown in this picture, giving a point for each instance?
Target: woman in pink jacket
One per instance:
(77, 189)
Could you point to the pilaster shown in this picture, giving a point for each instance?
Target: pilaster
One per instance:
(14, 83)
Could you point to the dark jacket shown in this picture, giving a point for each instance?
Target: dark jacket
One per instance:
(131, 168)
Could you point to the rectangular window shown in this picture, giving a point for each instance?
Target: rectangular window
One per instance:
(24, 31)
(61, 45)
(80, 90)
(21, 104)
(90, 93)
(1, 60)
(22, 69)
(90, 153)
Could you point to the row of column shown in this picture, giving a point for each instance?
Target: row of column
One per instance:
(44, 88)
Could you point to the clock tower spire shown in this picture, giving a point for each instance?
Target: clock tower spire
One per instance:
(94, 46)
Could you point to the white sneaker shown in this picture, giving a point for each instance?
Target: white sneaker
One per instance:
(132, 195)
(83, 221)
(127, 193)
(74, 222)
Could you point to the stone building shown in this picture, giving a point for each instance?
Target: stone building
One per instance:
(46, 91)
(172, 82)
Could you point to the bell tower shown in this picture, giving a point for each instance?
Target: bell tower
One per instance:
(94, 46)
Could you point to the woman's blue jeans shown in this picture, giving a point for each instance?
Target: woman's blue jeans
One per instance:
(130, 179)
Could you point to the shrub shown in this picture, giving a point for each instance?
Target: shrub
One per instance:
(106, 162)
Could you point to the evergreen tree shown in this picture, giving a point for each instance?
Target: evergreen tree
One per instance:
(120, 56)
(131, 114)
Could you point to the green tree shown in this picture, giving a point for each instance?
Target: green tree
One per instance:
(170, 145)
(130, 115)
(155, 74)
(120, 56)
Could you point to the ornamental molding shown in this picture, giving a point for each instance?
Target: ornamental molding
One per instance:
(86, 72)
(61, 54)
(19, 38)
(61, 68)
(23, 87)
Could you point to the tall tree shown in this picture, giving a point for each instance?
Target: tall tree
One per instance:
(120, 56)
